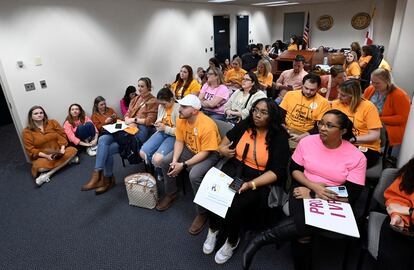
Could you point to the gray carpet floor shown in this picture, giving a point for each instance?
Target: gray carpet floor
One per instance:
(57, 226)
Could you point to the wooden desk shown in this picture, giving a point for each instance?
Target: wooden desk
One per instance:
(285, 61)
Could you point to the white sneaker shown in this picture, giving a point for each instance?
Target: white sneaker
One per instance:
(75, 160)
(210, 243)
(225, 252)
(43, 178)
(91, 151)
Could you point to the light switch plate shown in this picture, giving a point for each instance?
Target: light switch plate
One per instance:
(43, 84)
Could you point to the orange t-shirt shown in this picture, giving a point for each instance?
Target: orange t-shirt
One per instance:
(364, 59)
(167, 120)
(260, 149)
(268, 80)
(365, 118)
(232, 74)
(203, 135)
(353, 70)
(293, 47)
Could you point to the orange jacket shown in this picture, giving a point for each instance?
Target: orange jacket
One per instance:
(394, 114)
(393, 194)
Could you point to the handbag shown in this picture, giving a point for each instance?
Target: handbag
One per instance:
(277, 196)
(141, 189)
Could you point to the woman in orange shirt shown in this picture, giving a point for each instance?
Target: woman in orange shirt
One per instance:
(393, 105)
(260, 164)
(395, 248)
(102, 115)
(264, 74)
(233, 77)
(352, 69)
(46, 145)
(293, 46)
(365, 57)
(185, 84)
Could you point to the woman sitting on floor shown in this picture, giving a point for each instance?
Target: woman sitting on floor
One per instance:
(102, 115)
(186, 84)
(130, 93)
(264, 164)
(239, 105)
(161, 142)
(46, 145)
(80, 129)
(395, 249)
(214, 94)
(365, 117)
(393, 105)
(320, 160)
(141, 116)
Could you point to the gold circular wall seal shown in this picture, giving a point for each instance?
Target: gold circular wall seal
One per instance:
(325, 22)
(361, 20)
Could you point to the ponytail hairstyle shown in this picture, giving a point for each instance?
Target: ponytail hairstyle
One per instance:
(344, 123)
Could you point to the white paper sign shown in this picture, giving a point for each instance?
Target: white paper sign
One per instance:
(214, 193)
(111, 128)
(331, 215)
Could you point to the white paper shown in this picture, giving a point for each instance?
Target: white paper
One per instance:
(111, 128)
(331, 215)
(214, 193)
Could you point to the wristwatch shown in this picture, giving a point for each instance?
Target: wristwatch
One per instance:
(312, 194)
(185, 166)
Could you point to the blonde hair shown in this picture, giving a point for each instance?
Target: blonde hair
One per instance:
(267, 66)
(219, 74)
(355, 58)
(353, 88)
(385, 76)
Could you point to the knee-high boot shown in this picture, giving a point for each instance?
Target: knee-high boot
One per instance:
(276, 235)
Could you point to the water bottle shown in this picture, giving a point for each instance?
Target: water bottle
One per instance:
(325, 60)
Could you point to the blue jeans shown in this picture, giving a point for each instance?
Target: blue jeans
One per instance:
(107, 148)
(160, 143)
(143, 133)
(85, 131)
(214, 115)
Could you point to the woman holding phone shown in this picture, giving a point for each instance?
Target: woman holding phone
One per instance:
(258, 152)
(102, 115)
(320, 160)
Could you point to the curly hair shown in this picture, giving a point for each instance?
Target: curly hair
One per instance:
(274, 123)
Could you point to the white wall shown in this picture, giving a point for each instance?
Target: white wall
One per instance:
(402, 61)
(342, 33)
(99, 47)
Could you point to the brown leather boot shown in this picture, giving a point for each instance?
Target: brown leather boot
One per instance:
(95, 181)
(108, 183)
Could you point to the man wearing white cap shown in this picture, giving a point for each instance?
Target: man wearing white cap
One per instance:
(195, 150)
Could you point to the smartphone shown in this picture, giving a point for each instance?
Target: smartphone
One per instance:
(236, 184)
(339, 190)
(118, 126)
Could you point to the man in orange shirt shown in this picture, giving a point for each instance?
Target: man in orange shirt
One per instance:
(195, 150)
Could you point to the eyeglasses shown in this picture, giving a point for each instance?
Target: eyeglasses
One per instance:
(211, 74)
(327, 125)
(246, 79)
(256, 111)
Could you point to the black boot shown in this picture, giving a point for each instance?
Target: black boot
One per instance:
(276, 235)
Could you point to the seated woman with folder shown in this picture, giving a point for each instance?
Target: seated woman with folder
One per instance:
(258, 152)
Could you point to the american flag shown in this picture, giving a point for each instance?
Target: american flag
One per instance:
(306, 34)
(369, 36)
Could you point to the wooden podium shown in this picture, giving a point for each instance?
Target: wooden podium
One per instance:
(285, 61)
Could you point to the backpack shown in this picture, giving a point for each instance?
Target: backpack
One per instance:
(128, 146)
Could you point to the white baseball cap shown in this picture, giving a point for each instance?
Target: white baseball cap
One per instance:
(191, 100)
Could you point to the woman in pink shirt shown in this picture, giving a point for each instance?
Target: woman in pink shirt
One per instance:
(320, 160)
(214, 94)
(80, 129)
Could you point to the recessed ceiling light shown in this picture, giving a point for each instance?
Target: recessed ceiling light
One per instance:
(220, 1)
(285, 4)
(269, 3)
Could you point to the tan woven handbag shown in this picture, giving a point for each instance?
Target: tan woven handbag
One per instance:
(141, 189)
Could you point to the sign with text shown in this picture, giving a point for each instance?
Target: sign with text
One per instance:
(331, 215)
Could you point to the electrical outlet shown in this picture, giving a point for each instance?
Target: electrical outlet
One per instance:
(29, 86)
(43, 84)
